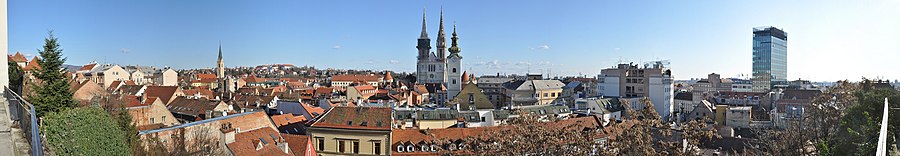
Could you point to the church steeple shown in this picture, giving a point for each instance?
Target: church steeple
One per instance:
(424, 33)
(424, 43)
(441, 39)
(454, 49)
(220, 64)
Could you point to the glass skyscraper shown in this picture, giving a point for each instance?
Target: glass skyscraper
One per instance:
(769, 57)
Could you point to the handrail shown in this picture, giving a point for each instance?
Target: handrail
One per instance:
(22, 108)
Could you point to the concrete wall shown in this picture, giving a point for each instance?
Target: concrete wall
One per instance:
(4, 45)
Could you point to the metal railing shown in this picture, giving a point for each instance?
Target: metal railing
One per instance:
(23, 113)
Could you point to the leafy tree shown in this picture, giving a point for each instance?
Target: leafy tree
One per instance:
(53, 93)
(83, 131)
(527, 135)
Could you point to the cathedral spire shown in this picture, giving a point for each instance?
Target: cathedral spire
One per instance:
(424, 33)
(441, 39)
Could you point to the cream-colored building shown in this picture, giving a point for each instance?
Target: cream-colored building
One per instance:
(353, 131)
(106, 74)
(738, 116)
(533, 92)
(150, 113)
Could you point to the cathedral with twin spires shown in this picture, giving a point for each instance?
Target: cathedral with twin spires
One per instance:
(437, 68)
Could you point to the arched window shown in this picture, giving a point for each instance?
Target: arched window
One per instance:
(433, 148)
(425, 147)
(400, 148)
(410, 148)
(454, 70)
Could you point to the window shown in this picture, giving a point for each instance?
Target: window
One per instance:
(454, 70)
(355, 147)
(399, 148)
(376, 148)
(152, 121)
(163, 119)
(321, 143)
(545, 94)
(341, 146)
(410, 148)
(482, 119)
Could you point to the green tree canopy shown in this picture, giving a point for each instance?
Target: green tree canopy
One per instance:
(84, 131)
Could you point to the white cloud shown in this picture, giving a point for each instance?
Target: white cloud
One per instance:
(394, 62)
(370, 62)
(124, 50)
(617, 49)
(541, 47)
(336, 47)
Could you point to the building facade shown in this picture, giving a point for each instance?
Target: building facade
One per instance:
(653, 80)
(769, 57)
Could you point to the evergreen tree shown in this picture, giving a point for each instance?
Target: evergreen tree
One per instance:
(52, 94)
(15, 77)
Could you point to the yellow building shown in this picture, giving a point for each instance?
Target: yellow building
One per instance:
(353, 131)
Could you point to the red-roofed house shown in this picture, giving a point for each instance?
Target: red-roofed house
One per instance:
(262, 141)
(353, 130)
(85, 91)
(19, 59)
(301, 145)
(288, 123)
(342, 81)
(221, 131)
(151, 113)
(164, 93)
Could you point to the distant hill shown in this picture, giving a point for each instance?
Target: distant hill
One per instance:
(71, 68)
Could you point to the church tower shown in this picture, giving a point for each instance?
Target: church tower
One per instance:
(424, 46)
(454, 63)
(220, 65)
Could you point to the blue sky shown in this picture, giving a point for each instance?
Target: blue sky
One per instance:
(827, 40)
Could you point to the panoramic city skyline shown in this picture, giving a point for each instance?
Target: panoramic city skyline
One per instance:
(829, 41)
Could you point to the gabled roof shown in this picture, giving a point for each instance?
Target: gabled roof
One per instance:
(364, 118)
(163, 92)
(313, 110)
(130, 89)
(18, 57)
(301, 145)
(205, 76)
(33, 64)
(192, 107)
(88, 67)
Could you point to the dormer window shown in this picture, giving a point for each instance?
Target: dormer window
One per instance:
(400, 148)
(410, 148)
(424, 147)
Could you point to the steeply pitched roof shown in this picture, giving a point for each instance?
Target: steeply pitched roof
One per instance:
(301, 145)
(162, 92)
(33, 64)
(18, 57)
(246, 142)
(365, 118)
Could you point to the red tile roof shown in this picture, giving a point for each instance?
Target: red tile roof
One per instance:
(18, 57)
(162, 92)
(365, 118)
(313, 110)
(246, 143)
(205, 76)
(198, 91)
(287, 119)
(301, 145)
(33, 64)
(87, 67)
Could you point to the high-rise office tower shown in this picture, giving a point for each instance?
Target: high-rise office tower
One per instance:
(769, 58)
